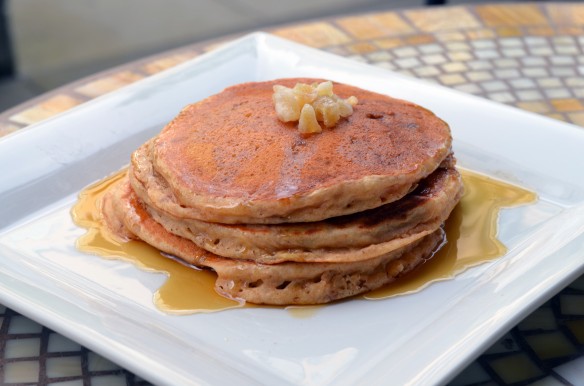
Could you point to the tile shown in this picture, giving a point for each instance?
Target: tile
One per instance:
(486, 53)
(386, 65)
(548, 381)
(572, 371)
(440, 19)
(511, 15)
(558, 116)
(427, 71)
(562, 71)
(58, 343)
(472, 374)
(379, 56)
(434, 59)
(552, 82)
(478, 76)
(541, 318)
(578, 119)
(109, 380)
(551, 345)
(502, 97)
(108, 84)
(419, 39)
(563, 40)
(577, 326)
(479, 65)
(535, 41)
(458, 46)
(541, 50)
(318, 34)
(23, 325)
(454, 67)
(375, 26)
(5, 129)
(388, 43)
(495, 85)
(451, 79)
(506, 344)
(541, 31)
(562, 60)
(460, 56)
(506, 73)
(481, 33)
(98, 363)
(563, 14)
(535, 72)
(522, 83)
(63, 367)
(555, 93)
(509, 31)
(404, 52)
(21, 372)
(482, 44)
(361, 48)
(430, 48)
(529, 95)
(515, 368)
(22, 348)
(510, 42)
(507, 62)
(407, 62)
(513, 52)
(470, 88)
(532, 61)
(567, 50)
(46, 109)
(450, 36)
(578, 284)
(75, 382)
(570, 304)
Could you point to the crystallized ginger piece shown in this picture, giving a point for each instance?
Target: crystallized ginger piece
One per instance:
(308, 123)
(327, 110)
(311, 103)
(286, 104)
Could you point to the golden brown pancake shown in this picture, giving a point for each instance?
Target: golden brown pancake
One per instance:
(354, 237)
(287, 218)
(278, 284)
(229, 159)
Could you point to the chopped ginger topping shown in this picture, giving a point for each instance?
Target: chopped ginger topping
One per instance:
(309, 104)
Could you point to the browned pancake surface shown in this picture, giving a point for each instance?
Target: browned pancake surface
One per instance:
(279, 284)
(232, 160)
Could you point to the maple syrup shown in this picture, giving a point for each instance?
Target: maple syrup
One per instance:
(471, 232)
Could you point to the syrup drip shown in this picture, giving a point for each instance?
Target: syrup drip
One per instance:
(471, 232)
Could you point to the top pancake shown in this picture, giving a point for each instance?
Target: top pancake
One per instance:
(229, 159)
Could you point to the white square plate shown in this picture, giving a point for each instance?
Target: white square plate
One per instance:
(424, 338)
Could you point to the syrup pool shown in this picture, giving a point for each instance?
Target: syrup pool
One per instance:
(471, 233)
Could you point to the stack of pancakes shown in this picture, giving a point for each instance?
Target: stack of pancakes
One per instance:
(284, 218)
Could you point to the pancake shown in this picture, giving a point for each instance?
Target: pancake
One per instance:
(278, 284)
(340, 239)
(284, 217)
(228, 158)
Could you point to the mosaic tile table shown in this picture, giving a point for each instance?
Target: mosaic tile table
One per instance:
(526, 55)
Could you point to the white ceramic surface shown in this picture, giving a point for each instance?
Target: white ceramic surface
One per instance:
(424, 338)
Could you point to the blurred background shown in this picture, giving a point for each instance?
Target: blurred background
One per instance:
(45, 44)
